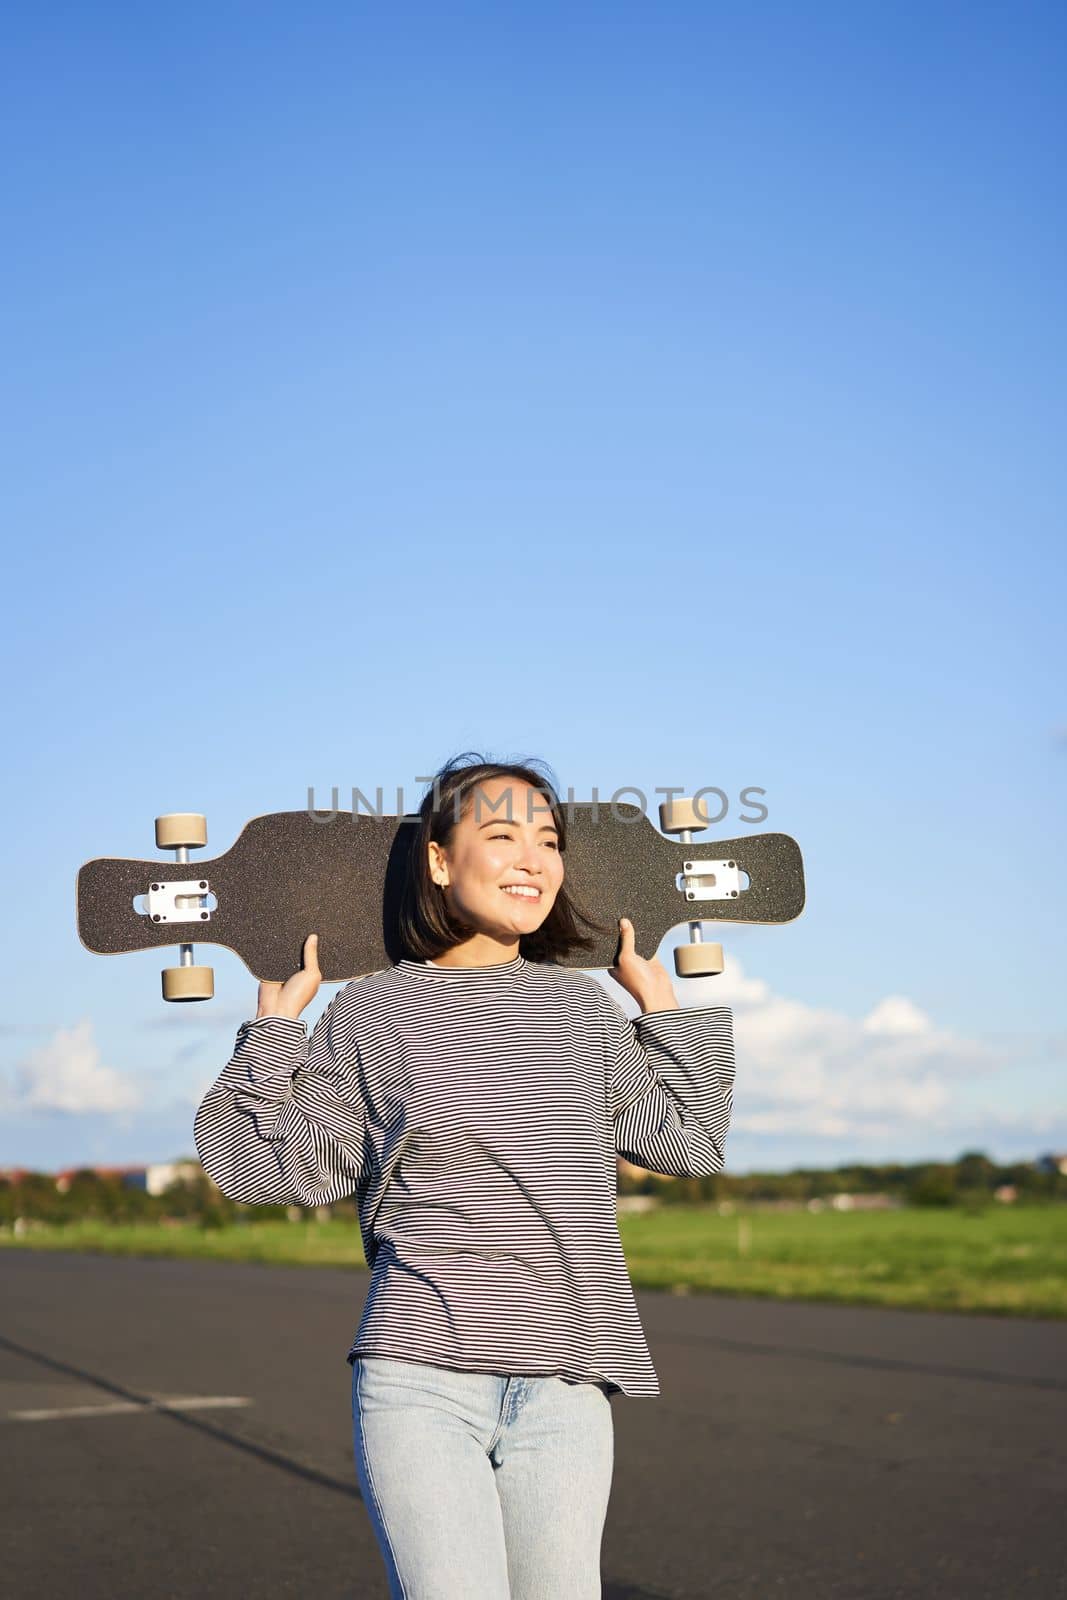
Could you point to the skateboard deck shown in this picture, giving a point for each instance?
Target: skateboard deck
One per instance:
(291, 873)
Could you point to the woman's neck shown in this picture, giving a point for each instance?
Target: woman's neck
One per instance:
(479, 951)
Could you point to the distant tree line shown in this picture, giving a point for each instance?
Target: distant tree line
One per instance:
(969, 1181)
(972, 1179)
(92, 1196)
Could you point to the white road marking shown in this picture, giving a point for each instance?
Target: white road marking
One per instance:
(194, 1402)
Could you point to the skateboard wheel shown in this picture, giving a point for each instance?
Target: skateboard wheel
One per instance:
(188, 983)
(698, 960)
(181, 830)
(681, 816)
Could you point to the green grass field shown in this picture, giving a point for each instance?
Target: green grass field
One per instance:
(1003, 1260)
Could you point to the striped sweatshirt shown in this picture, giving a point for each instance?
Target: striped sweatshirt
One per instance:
(475, 1113)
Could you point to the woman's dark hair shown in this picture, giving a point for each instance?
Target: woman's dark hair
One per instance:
(427, 927)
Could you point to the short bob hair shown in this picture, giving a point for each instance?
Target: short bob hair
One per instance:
(427, 928)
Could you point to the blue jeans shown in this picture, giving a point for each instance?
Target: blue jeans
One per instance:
(482, 1486)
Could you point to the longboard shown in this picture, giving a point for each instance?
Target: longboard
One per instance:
(290, 873)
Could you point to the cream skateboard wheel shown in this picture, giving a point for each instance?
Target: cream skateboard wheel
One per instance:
(681, 816)
(188, 983)
(698, 960)
(181, 830)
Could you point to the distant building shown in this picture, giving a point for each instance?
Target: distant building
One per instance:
(160, 1176)
(1053, 1162)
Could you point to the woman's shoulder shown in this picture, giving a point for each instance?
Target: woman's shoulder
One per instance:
(573, 980)
(362, 1009)
(368, 987)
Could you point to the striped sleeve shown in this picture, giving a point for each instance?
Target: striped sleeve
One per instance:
(284, 1122)
(670, 1085)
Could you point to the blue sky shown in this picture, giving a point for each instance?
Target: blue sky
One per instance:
(673, 393)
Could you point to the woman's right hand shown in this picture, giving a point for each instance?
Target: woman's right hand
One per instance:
(288, 999)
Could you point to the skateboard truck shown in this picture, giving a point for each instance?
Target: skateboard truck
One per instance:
(182, 831)
(701, 880)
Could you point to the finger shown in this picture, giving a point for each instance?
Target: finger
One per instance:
(311, 952)
(627, 929)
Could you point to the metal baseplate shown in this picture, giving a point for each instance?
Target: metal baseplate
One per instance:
(184, 901)
(710, 880)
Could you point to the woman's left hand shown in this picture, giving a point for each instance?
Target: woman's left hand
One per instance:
(648, 982)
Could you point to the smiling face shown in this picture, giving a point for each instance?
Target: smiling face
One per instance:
(501, 870)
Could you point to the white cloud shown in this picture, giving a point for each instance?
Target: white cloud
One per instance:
(66, 1074)
(810, 1071)
(896, 1015)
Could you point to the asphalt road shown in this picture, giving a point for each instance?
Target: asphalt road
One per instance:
(797, 1450)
